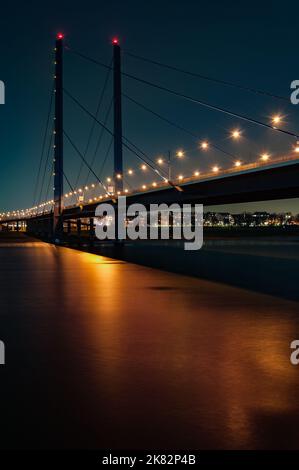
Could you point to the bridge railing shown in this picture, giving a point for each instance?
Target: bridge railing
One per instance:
(91, 194)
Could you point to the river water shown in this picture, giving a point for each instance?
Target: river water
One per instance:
(106, 354)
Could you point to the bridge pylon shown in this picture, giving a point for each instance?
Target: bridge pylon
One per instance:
(58, 140)
(118, 147)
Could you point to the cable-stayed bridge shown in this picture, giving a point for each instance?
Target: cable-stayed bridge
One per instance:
(150, 179)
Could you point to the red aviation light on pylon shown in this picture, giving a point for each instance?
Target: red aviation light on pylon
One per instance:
(59, 36)
(115, 41)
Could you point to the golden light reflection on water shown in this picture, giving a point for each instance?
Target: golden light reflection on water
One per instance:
(188, 363)
(217, 356)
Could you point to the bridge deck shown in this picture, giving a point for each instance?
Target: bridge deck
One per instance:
(278, 180)
(251, 182)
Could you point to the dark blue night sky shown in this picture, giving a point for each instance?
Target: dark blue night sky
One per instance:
(251, 43)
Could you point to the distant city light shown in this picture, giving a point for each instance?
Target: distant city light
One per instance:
(118, 176)
(180, 177)
(215, 169)
(296, 148)
(60, 36)
(109, 180)
(265, 157)
(180, 153)
(196, 173)
(130, 172)
(143, 167)
(115, 41)
(238, 163)
(160, 161)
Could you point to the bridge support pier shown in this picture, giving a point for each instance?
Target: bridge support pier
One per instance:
(91, 231)
(79, 231)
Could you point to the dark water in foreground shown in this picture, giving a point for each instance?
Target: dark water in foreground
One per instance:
(105, 354)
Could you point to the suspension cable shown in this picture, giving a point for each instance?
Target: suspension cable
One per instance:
(49, 182)
(210, 106)
(194, 100)
(100, 138)
(111, 133)
(205, 77)
(177, 126)
(43, 145)
(100, 101)
(68, 182)
(86, 163)
(106, 155)
(45, 169)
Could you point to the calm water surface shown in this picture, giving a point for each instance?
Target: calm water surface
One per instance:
(106, 354)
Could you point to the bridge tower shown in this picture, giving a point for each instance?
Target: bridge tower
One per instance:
(58, 140)
(118, 150)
